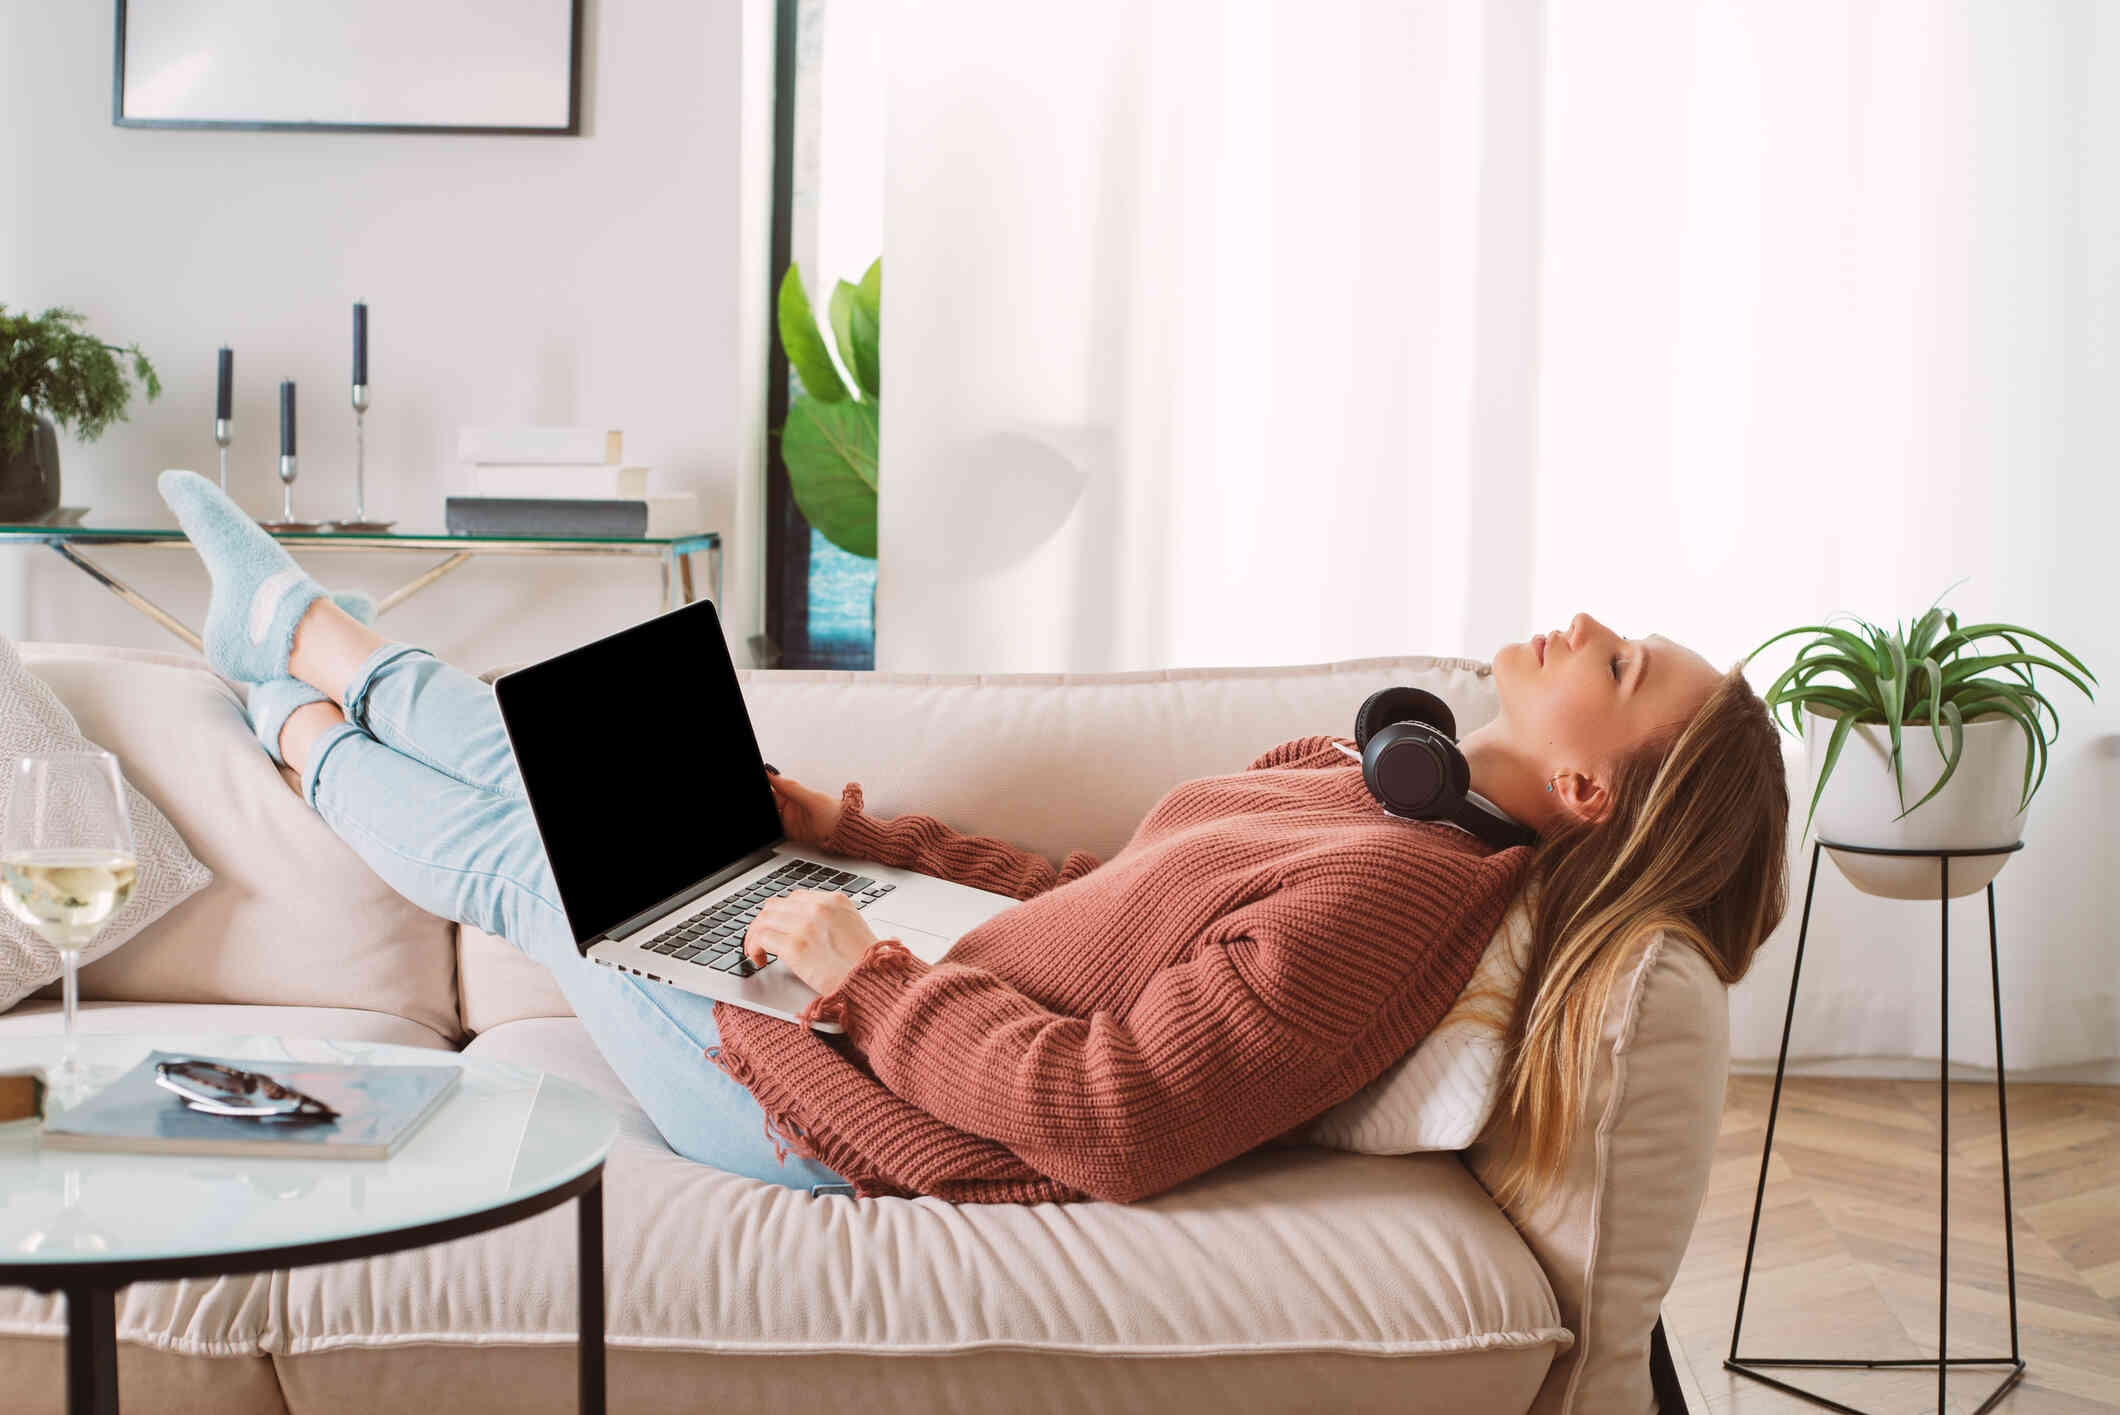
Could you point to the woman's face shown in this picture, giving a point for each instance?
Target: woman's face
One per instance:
(1581, 699)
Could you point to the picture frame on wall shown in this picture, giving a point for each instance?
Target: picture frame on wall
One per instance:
(350, 66)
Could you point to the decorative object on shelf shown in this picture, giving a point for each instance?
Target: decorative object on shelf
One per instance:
(340, 66)
(829, 440)
(1976, 757)
(289, 467)
(1756, 1367)
(359, 520)
(653, 517)
(224, 409)
(53, 375)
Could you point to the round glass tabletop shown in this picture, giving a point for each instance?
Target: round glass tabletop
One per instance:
(504, 1135)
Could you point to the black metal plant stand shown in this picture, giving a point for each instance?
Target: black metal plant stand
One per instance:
(1943, 1361)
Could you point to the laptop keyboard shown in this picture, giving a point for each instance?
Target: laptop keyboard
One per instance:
(715, 939)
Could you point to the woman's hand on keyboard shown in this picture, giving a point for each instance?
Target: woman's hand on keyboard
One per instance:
(818, 933)
(806, 816)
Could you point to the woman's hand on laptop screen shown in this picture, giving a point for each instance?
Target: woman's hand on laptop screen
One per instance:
(816, 932)
(806, 816)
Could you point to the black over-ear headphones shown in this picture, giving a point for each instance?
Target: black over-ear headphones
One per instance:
(1407, 738)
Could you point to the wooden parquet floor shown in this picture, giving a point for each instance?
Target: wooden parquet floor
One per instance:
(1846, 1264)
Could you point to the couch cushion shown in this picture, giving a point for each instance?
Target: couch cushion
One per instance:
(293, 916)
(45, 1017)
(1263, 1282)
(1005, 755)
(34, 722)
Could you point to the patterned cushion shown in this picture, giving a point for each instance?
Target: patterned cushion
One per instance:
(33, 720)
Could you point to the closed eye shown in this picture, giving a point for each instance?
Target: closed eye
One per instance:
(1616, 662)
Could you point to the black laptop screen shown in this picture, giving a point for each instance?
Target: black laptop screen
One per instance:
(640, 764)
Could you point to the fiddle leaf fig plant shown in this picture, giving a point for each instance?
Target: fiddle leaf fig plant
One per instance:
(1934, 675)
(49, 366)
(830, 438)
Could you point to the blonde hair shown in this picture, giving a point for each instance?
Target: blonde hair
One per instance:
(1693, 845)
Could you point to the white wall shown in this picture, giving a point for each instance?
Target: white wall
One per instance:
(589, 280)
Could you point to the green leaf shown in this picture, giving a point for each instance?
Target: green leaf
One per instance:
(1825, 771)
(804, 345)
(868, 330)
(1965, 668)
(1951, 755)
(830, 451)
(843, 328)
(1894, 705)
(1934, 674)
(2035, 744)
(869, 293)
(868, 359)
(1960, 637)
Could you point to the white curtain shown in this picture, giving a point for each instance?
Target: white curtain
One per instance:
(1294, 330)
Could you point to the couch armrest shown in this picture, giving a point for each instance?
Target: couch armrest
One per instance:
(1611, 1235)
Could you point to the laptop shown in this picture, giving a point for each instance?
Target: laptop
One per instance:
(645, 780)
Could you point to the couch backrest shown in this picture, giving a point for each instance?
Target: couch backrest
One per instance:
(1074, 761)
(293, 917)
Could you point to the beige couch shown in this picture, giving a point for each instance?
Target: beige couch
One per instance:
(1291, 1279)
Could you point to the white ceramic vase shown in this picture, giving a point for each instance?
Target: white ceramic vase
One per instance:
(1978, 807)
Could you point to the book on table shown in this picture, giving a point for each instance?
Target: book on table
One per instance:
(656, 517)
(380, 1107)
(554, 481)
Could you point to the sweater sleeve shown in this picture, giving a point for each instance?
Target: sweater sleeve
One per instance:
(923, 843)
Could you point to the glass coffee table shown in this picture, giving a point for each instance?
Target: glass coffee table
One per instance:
(507, 1144)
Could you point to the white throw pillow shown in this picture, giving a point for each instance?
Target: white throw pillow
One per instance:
(1439, 1095)
(32, 720)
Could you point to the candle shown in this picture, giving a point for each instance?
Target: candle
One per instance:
(286, 417)
(226, 391)
(360, 341)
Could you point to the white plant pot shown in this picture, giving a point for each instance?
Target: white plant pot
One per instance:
(1976, 810)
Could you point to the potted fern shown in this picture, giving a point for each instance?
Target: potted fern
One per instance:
(53, 373)
(1933, 737)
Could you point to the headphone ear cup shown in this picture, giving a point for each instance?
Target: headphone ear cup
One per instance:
(1388, 705)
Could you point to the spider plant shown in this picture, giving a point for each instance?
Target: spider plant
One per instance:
(1934, 675)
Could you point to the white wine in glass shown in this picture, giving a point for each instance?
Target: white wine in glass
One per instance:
(66, 866)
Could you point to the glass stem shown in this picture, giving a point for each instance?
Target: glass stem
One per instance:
(66, 1047)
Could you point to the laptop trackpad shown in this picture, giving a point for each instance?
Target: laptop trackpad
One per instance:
(927, 947)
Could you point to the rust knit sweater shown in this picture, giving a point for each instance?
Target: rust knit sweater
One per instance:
(1264, 946)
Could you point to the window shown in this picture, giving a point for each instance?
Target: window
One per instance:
(827, 218)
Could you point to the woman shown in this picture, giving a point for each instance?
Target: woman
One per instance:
(1265, 945)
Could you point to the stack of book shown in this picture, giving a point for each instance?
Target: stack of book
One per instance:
(560, 481)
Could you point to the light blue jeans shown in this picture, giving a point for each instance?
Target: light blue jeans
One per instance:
(419, 780)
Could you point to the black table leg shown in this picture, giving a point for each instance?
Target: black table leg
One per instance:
(91, 1351)
(589, 1274)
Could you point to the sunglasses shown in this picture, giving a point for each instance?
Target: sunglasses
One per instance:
(227, 1090)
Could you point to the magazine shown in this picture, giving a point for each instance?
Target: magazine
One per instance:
(379, 1108)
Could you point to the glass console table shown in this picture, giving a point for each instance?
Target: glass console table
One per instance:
(675, 554)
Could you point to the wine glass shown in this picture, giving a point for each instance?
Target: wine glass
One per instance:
(66, 865)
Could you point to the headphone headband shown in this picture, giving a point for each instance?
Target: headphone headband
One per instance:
(1406, 739)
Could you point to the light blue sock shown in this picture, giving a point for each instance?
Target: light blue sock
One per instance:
(272, 701)
(259, 593)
